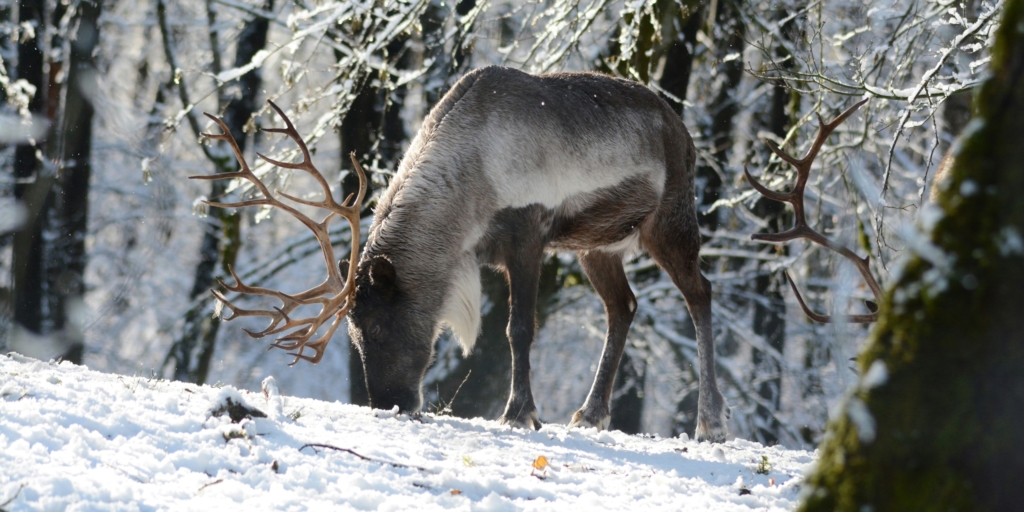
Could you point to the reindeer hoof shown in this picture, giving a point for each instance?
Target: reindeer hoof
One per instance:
(711, 434)
(713, 422)
(585, 418)
(529, 420)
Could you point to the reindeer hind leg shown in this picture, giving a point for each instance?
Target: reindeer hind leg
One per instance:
(672, 238)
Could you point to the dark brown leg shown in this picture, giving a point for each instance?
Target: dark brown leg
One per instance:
(519, 250)
(673, 240)
(609, 280)
(523, 277)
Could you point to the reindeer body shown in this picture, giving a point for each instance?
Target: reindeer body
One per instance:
(509, 165)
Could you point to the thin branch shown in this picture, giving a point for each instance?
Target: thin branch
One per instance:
(973, 29)
(172, 61)
(314, 446)
(16, 493)
(248, 9)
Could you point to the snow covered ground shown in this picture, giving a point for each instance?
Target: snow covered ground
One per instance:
(75, 439)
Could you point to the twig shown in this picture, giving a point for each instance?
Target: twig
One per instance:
(172, 61)
(259, 13)
(922, 86)
(16, 493)
(215, 482)
(314, 446)
(448, 406)
(931, 154)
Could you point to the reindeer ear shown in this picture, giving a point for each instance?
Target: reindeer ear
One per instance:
(382, 273)
(343, 269)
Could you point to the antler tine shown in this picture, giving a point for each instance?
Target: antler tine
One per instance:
(239, 204)
(235, 310)
(275, 317)
(319, 346)
(782, 154)
(300, 339)
(229, 138)
(307, 161)
(801, 229)
(241, 287)
(280, 313)
(824, 319)
(353, 210)
(351, 214)
(781, 197)
(826, 129)
(335, 298)
(243, 172)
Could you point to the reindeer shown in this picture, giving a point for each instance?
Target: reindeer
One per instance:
(507, 166)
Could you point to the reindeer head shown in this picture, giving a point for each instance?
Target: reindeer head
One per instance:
(389, 332)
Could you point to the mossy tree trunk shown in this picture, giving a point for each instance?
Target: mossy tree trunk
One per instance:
(936, 422)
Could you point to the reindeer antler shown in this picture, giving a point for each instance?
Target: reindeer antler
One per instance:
(795, 197)
(335, 296)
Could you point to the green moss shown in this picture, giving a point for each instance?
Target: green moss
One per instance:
(949, 429)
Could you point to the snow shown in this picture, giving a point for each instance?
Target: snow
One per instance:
(968, 188)
(861, 417)
(1010, 242)
(72, 438)
(13, 215)
(877, 374)
(234, 73)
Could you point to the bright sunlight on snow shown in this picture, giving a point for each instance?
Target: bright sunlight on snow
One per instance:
(71, 438)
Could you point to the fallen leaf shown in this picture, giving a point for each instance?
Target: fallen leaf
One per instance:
(455, 492)
(771, 482)
(540, 462)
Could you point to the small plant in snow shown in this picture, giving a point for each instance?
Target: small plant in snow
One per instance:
(234, 433)
(763, 467)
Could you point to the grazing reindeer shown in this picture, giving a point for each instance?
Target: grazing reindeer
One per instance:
(506, 166)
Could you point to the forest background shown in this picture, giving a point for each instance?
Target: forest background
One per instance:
(107, 256)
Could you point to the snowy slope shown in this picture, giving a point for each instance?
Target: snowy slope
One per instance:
(71, 438)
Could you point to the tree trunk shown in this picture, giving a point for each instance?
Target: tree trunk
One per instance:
(373, 128)
(675, 75)
(716, 129)
(6, 190)
(32, 187)
(49, 252)
(73, 141)
(770, 318)
(192, 352)
(935, 422)
(723, 108)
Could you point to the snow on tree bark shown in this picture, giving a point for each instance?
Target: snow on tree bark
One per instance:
(936, 423)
